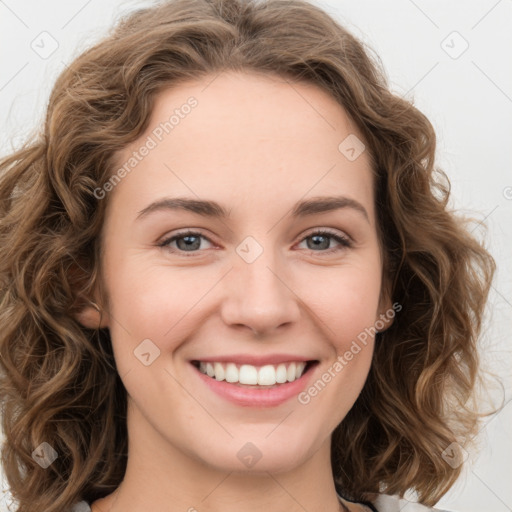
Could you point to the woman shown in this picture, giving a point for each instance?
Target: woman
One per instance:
(230, 277)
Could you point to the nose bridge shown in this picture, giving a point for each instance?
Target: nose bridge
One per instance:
(258, 295)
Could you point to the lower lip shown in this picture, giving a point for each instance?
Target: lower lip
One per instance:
(256, 397)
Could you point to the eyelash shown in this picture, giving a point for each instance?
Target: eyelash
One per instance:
(344, 241)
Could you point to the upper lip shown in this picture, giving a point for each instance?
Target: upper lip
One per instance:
(255, 360)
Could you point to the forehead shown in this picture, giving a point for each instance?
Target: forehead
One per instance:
(240, 135)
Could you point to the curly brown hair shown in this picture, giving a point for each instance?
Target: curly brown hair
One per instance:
(59, 382)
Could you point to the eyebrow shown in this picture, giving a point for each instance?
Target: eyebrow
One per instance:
(213, 209)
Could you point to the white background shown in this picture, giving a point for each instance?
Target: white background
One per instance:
(466, 94)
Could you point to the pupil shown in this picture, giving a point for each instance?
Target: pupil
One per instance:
(316, 237)
(188, 243)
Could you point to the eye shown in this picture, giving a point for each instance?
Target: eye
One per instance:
(190, 242)
(186, 241)
(321, 240)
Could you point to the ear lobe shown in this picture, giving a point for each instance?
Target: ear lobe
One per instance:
(385, 320)
(84, 310)
(386, 310)
(92, 317)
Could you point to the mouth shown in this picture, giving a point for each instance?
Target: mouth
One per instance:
(268, 376)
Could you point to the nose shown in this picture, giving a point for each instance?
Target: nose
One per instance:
(259, 296)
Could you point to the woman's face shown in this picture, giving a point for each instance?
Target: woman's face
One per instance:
(252, 287)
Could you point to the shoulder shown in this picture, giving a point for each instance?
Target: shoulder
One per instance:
(383, 503)
(386, 503)
(81, 506)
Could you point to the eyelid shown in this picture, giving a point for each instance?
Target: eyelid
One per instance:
(165, 240)
(329, 231)
(344, 240)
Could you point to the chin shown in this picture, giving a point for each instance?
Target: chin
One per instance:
(255, 456)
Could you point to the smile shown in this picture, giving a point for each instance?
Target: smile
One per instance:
(267, 375)
(255, 386)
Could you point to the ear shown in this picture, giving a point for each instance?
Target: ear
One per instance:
(85, 310)
(386, 311)
(91, 315)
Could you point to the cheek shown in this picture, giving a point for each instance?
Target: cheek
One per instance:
(346, 304)
(347, 301)
(155, 302)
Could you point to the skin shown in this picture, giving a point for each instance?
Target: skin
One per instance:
(256, 144)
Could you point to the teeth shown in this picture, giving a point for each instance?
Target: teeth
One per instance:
(290, 374)
(231, 373)
(267, 375)
(220, 374)
(281, 374)
(248, 374)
